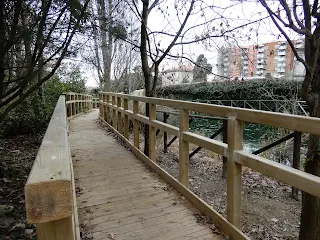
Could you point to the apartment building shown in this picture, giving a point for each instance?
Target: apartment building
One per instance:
(275, 59)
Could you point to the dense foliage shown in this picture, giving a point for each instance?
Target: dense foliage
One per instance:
(34, 113)
(235, 90)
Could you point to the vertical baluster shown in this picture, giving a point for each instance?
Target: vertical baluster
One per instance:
(183, 148)
(119, 103)
(114, 113)
(126, 120)
(136, 125)
(234, 182)
(152, 133)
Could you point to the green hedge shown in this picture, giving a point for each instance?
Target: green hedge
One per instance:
(233, 90)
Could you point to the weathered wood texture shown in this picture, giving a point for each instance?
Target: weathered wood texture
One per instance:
(118, 196)
(48, 191)
(79, 103)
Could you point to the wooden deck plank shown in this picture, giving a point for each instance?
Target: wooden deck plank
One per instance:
(118, 195)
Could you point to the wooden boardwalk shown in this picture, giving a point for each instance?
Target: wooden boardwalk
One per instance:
(119, 197)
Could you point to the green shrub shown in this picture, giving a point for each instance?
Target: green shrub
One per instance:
(34, 113)
(233, 90)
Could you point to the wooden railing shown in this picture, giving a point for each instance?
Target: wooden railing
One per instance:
(78, 103)
(95, 102)
(50, 191)
(114, 109)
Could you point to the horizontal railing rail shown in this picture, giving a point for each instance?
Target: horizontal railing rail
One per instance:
(50, 190)
(114, 110)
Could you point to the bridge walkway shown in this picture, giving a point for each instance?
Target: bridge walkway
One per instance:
(118, 196)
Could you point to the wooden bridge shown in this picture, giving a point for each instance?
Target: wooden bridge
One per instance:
(90, 180)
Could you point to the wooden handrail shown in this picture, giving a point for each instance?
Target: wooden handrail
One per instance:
(289, 121)
(50, 192)
(232, 150)
(78, 103)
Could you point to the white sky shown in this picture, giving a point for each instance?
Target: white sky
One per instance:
(238, 14)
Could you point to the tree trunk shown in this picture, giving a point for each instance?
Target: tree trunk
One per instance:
(310, 216)
(105, 48)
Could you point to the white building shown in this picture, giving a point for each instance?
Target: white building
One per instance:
(181, 74)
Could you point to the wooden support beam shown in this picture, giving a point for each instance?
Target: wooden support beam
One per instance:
(56, 230)
(171, 141)
(114, 113)
(183, 148)
(165, 135)
(234, 182)
(164, 120)
(70, 106)
(103, 107)
(211, 137)
(101, 98)
(296, 160)
(175, 137)
(152, 133)
(81, 103)
(107, 108)
(225, 140)
(271, 145)
(74, 111)
(119, 103)
(136, 133)
(126, 119)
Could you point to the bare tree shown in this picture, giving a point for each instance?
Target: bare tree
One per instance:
(304, 19)
(34, 36)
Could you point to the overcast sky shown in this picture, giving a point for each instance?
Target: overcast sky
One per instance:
(167, 19)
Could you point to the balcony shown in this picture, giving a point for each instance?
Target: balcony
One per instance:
(282, 47)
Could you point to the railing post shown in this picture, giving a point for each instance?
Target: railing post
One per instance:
(80, 104)
(119, 103)
(234, 182)
(225, 140)
(183, 148)
(74, 105)
(165, 135)
(103, 107)
(136, 125)
(152, 133)
(114, 113)
(126, 119)
(85, 103)
(107, 109)
(70, 105)
(101, 98)
(56, 230)
(296, 159)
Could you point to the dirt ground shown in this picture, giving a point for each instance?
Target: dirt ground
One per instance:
(17, 156)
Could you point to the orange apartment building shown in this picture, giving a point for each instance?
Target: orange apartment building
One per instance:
(273, 58)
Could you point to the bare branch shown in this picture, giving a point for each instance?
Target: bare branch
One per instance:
(178, 33)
